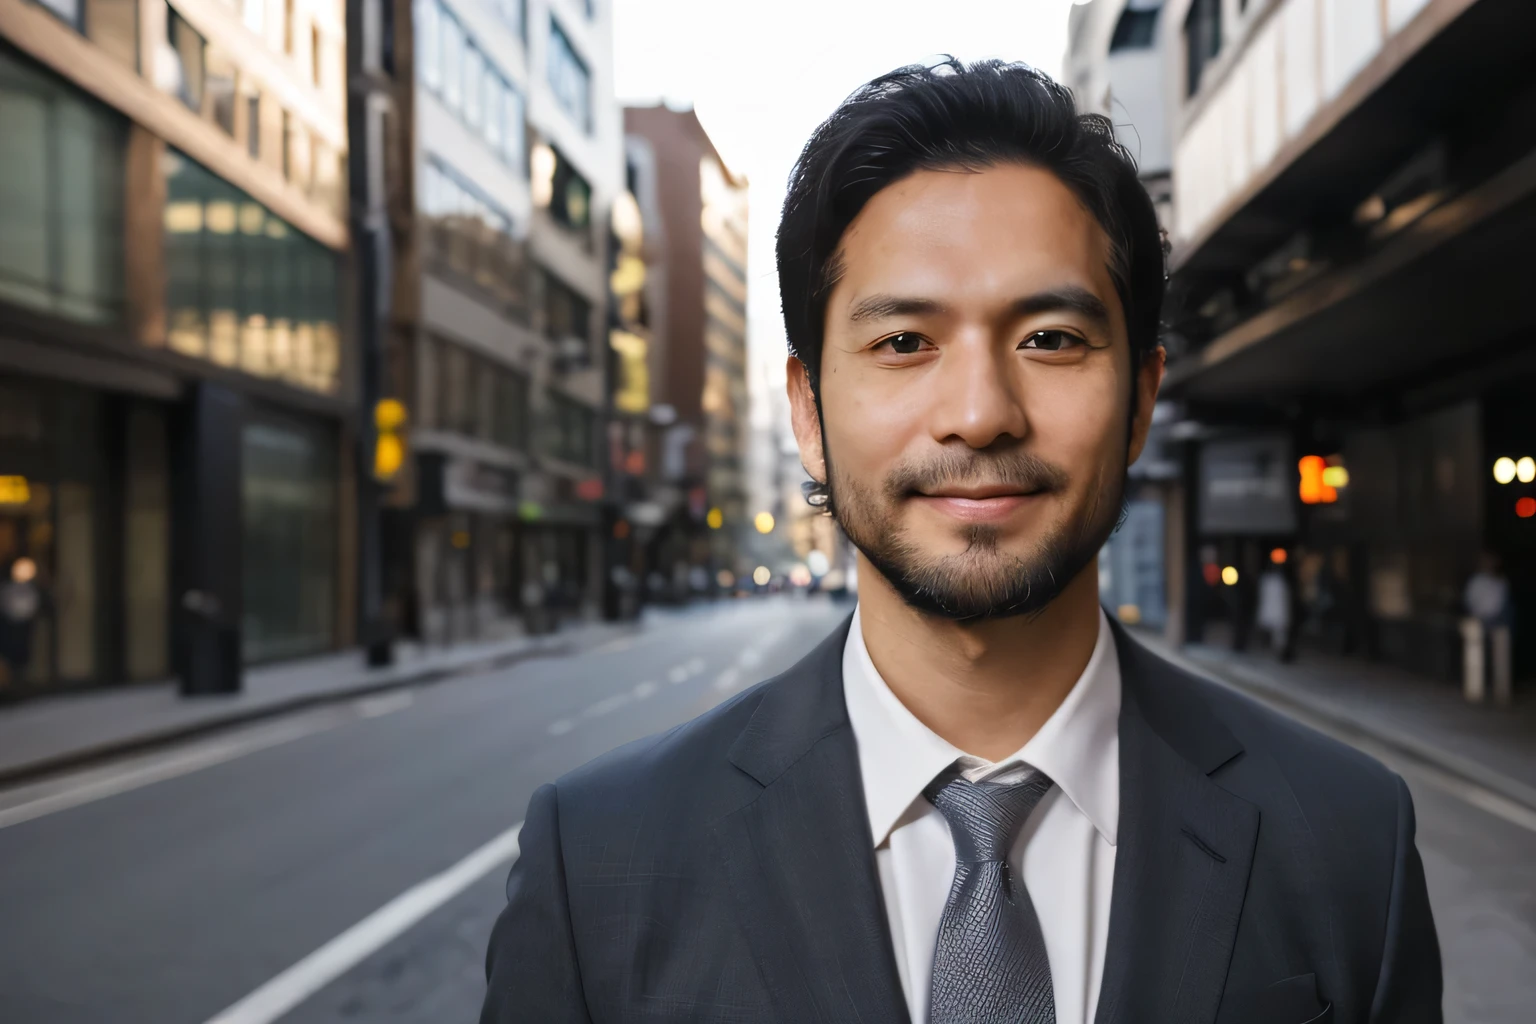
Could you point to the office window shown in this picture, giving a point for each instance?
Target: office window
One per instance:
(512, 14)
(68, 10)
(511, 410)
(569, 78)
(475, 82)
(1137, 27)
(243, 288)
(219, 84)
(429, 44)
(568, 430)
(569, 195)
(61, 197)
(453, 62)
(495, 110)
(185, 78)
(252, 121)
(1202, 39)
(512, 129)
(566, 313)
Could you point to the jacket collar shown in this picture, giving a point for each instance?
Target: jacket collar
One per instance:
(801, 862)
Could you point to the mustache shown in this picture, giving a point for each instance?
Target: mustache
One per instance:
(1012, 468)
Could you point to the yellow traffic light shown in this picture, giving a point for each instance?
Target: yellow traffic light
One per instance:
(389, 418)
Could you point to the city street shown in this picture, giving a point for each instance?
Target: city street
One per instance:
(170, 888)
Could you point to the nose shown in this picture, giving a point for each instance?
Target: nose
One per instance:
(977, 397)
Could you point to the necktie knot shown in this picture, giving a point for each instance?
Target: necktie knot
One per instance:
(985, 817)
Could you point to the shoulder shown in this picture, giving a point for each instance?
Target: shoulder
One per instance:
(1278, 762)
(667, 779)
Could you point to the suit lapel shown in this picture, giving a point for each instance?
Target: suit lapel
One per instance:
(1184, 854)
(801, 860)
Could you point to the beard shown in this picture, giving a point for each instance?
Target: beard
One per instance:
(983, 581)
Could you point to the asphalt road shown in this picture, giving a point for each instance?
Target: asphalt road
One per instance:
(173, 900)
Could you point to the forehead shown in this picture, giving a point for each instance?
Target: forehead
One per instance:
(1003, 230)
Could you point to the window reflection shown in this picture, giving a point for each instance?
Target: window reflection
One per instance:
(244, 289)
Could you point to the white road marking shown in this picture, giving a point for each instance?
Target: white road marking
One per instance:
(384, 704)
(372, 933)
(727, 680)
(678, 674)
(98, 784)
(560, 727)
(608, 704)
(622, 643)
(644, 690)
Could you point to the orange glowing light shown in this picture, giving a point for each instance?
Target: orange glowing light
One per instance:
(1525, 508)
(1278, 556)
(1314, 488)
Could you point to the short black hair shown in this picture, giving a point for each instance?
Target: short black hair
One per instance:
(953, 115)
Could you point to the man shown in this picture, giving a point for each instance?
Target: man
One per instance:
(978, 801)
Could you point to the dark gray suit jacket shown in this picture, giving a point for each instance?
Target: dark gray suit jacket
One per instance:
(724, 871)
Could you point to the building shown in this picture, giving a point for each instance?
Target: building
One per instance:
(176, 400)
(1351, 345)
(1115, 67)
(694, 354)
(510, 158)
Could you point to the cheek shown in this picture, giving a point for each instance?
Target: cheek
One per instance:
(867, 432)
(1077, 421)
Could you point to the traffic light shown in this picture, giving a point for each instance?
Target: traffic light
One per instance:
(389, 440)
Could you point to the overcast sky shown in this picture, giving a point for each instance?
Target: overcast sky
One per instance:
(763, 73)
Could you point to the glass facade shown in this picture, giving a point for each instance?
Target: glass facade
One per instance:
(450, 64)
(569, 78)
(288, 532)
(243, 288)
(568, 430)
(61, 197)
(472, 236)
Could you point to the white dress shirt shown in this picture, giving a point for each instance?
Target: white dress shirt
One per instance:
(1065, 852)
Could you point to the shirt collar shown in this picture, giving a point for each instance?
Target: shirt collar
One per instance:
(1078, 747)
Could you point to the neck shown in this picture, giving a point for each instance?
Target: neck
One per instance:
(985, 687)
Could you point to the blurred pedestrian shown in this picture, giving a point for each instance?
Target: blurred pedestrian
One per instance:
(1274, 613)
(1487, 593)
(21, 601)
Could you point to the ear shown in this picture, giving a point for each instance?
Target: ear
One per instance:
(1148, 380)
(805, 420)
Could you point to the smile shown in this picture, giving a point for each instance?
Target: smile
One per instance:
(978, 504)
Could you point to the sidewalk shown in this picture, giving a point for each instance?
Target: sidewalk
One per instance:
(52, 733)
(1428, 720)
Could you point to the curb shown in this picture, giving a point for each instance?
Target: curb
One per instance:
(236, 717)
(1406, 744)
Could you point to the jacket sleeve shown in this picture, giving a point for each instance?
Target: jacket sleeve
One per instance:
(1408, 990)
(531, 967)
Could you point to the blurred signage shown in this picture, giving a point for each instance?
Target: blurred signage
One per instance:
(632, 392)
(14, 490)
(1247, 486)
(448, 484)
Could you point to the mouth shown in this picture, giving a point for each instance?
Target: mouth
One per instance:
(978, 504)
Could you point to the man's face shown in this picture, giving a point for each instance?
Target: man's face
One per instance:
(976, 388)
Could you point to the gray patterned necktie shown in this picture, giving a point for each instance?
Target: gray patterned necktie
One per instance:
(989, 964)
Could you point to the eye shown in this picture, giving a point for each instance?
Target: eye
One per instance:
(1052, 341)
(906, 343)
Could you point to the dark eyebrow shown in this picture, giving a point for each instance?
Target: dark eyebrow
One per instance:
(1070, 299)
(883, 307)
